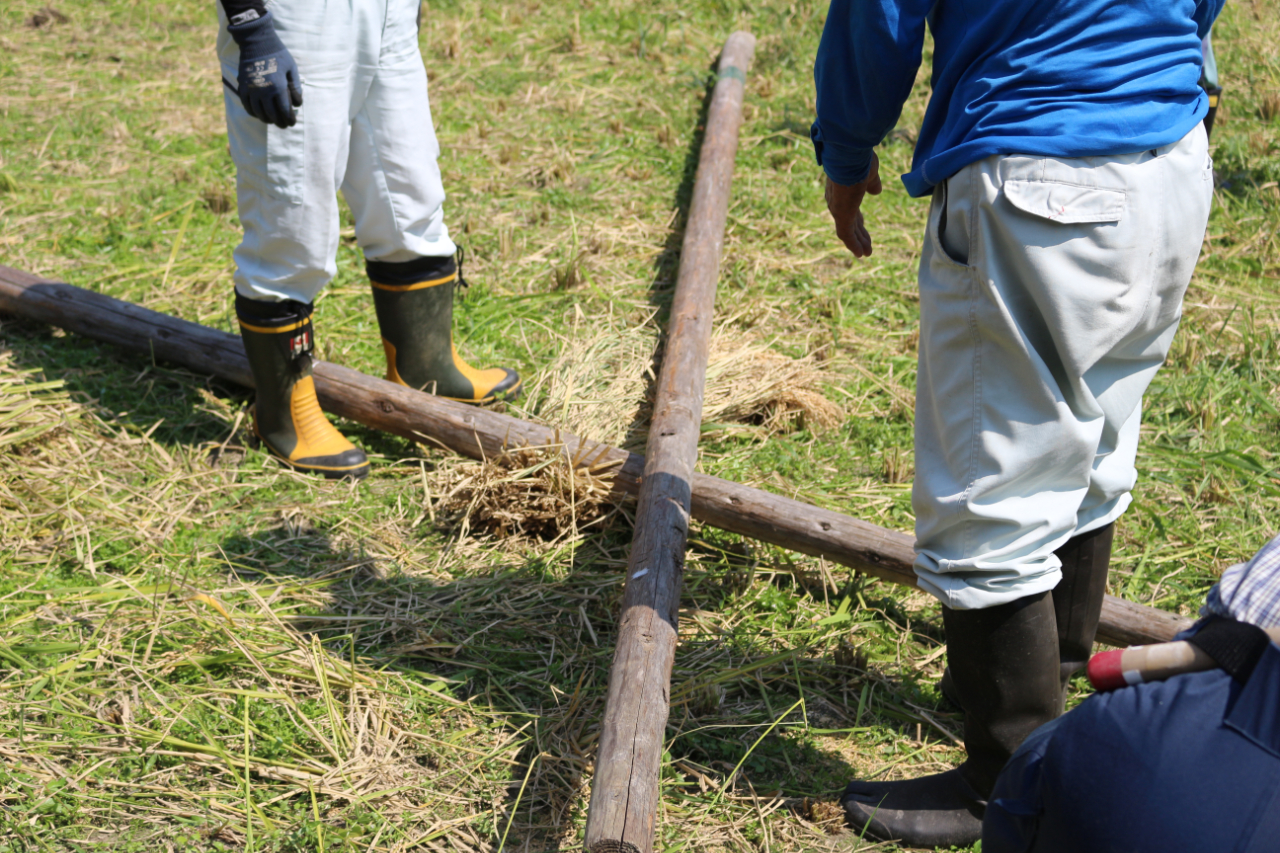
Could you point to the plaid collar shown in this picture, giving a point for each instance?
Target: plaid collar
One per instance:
(1249, 592)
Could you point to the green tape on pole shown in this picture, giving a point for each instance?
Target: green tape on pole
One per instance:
(733, 72)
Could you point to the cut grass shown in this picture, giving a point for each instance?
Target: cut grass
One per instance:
(202, 649)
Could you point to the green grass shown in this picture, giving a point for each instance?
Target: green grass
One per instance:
(396, 680)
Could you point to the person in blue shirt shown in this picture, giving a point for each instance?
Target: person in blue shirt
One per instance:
(1070, 180)
(1185, 765)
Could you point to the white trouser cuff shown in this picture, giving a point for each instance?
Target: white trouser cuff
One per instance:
(977, 587)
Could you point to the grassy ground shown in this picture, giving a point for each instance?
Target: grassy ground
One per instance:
(199, 650)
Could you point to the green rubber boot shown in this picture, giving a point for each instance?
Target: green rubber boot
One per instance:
(286, 414)
(414, 302)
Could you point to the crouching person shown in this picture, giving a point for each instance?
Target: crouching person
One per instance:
(1191, 763)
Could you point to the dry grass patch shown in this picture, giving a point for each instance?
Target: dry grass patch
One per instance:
(536, 492)
(750, 383)
(601, 384)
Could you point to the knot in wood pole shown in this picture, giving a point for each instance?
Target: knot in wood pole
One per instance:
(624, 794)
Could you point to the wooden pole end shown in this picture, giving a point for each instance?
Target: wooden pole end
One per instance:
(737, 52)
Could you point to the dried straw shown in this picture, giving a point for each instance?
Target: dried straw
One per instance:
(600, 385)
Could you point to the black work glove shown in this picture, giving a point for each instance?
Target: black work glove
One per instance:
(269, 83)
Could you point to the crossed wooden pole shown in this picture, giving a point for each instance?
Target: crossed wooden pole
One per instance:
(483, 434)
(624, 791)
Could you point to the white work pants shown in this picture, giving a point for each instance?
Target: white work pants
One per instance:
(364, 127)
(1050, 291)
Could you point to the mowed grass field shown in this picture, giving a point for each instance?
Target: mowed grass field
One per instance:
(200, 650)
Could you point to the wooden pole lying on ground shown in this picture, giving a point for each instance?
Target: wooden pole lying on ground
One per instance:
(483, 434)
(624, 790)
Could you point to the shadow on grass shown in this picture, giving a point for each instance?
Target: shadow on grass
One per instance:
(666, 265)
(171, 404)
(528, 646)
(124, 387)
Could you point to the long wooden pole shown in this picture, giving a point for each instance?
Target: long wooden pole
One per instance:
(624, 791)
(483, 434)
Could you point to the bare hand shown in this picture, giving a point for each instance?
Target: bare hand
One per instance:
(845, 204)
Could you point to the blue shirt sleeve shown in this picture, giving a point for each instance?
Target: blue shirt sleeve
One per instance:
(866, 66)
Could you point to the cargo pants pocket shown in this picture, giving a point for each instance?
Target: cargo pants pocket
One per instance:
(1068, 204)
(948, 229)
(286, 166)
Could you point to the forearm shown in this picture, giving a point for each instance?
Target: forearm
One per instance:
(864, 71)
(243, 11)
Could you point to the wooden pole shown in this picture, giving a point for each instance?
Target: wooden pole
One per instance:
(483, 434)
(624, 791)
(480, 433)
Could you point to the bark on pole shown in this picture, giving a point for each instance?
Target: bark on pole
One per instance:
(482, 434)
(624, 791)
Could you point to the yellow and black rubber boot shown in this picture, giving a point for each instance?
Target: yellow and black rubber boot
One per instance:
(414, 301)
(286, 414)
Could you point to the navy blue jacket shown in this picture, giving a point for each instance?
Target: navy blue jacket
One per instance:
(1188, 765)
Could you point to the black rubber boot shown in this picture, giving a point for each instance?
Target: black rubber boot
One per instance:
(1004, 666)
(286, 415)
(1077, 604)
(1077, 599)
(414, 301)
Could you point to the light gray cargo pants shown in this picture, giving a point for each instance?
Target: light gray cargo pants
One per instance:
(1050, 291)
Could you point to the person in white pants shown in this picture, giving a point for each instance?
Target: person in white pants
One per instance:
(332, 96)
(1050, 292)
(1071, 183)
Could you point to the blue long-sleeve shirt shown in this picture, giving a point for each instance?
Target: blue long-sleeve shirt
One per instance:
(1057, 78)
